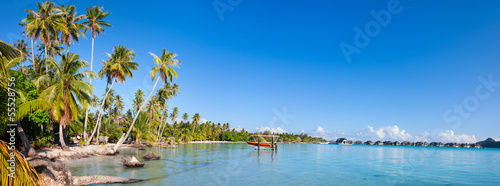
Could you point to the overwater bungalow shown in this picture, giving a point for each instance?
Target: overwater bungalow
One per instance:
(406, 143)
(379, 143)
(342, 141)
(455, 145)
(436, 144)
(422, 144)
(358, 143)
(388, 143)
(397, 143)
(369, 142)
(475, 145)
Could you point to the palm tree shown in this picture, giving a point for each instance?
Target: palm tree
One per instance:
(95, 17)
(8, 51)
(67, 89)
(163, 95)
(95, 21)
(30, 31)
(152, 108)
(44, 24)
(118, 108)
(142, 130)
(196, 119)
(52, 49)
(25, 174)
(173, 117)
(22, 47)
(71, 22)
(185, 117)
(106, 104)
(164, 69)
(138, 99)
(116, 69)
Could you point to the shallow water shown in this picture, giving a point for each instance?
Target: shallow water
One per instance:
(302, 164)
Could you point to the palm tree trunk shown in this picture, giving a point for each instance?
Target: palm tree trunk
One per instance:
(135, 118)
(109, 116)
(101, 108)
(98, 129)
(166, 120)
(84, 135)
(26, 143)
(22, 64)
(46, 66)
(92, 54)
(158, 133)
(33, 55)
(61, 137)
(90, 82)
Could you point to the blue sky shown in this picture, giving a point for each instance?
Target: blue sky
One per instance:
(247, 62)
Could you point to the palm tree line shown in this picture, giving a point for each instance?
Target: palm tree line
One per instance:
(61, 89)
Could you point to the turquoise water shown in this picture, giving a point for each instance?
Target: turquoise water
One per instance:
(302, 164)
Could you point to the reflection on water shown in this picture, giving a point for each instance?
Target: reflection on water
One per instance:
(301, 164)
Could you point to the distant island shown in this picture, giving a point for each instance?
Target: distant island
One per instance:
(488, 143)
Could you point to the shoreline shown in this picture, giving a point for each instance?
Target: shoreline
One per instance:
(50, 164)
(194, 142)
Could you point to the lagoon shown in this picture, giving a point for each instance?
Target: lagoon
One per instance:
(301, 164)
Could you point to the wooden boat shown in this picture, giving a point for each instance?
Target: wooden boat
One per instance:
(255, 143)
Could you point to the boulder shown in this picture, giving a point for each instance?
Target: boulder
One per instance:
(151, 156)
(132, 162)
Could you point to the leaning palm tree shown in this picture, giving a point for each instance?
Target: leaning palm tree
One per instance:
(71, 22)
(95, 17)
(116, 69)
(164, 69)
(196, 120)
(22, 47)
(66, 90)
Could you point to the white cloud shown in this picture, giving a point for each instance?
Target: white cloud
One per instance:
(320, 129)
(203, 120)
(392, 133)
(273, 130)
(449, 136)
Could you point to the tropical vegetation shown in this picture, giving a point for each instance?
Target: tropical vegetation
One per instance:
(56, 102)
